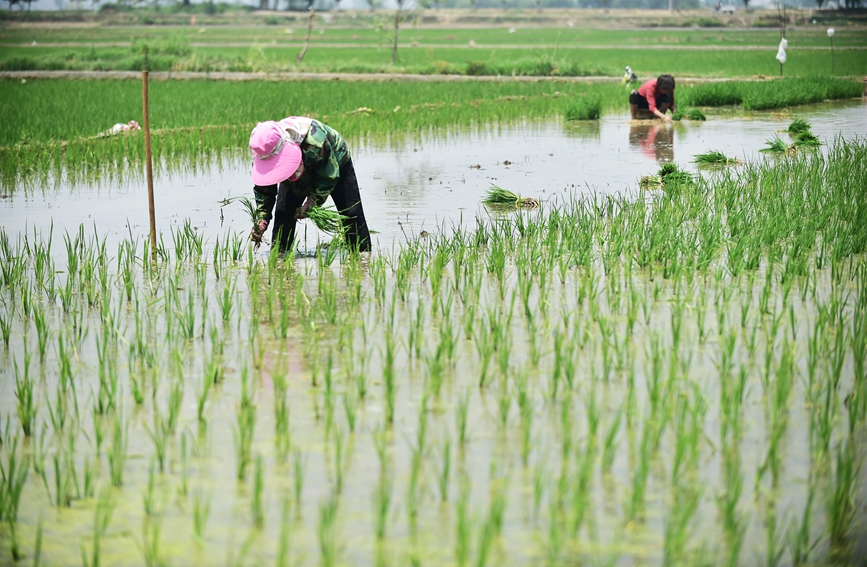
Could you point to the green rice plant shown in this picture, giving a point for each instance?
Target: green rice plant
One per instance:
(299, 463)
(680, 524)
(285, 534)
(463, 522)
(6, 326)
(152, 502)
(117, 453)
(329, 548)
(24, 385)
(149, 545)
(201, 512)
(841, 499)
(13, 477)
(160, 437)
(444, 472)
(382, 504)
(497, 196)
(326, 219)
(807, 140)
(798, 126)
(776, 146)
(388, 375)
(800, 543)
(715, 158)
(609, 447)
(101, 519)
(690, 113)
(582, 108)
(258, 490)
(242, 434)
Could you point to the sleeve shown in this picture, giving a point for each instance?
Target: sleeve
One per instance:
(266, 197)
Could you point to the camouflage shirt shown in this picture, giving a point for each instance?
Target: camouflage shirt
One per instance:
(323, 151)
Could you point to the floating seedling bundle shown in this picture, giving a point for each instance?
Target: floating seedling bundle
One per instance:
(690, 113)
(715, 158)
(669, 175)
(499, 197)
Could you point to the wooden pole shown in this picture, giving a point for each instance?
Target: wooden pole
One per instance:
(149, 161)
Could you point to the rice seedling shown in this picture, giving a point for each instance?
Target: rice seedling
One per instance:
(24, 385)
(444, 472)
(299, 463)
(101, 519)
(382, 504)
(242, 434)
(776, 146)
(798, 126)
(326, 219)
(117, 453)
(258, 490)
(497, 196)
(14, 477)
(715, 158)
(160, 437)
(807, 140)
(690, 113)
(152, 502)
(840, 501)
(582, 108)
(327, 530)
(463, 522)
(201, 512)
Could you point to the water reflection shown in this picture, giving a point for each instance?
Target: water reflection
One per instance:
(655, 140)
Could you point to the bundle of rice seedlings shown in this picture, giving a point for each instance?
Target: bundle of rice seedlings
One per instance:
(670, 174)
(807, 140)
(775, 146)
(715, 158)
(798, 126)
(497, 196)
(690, 113)
(250, 207)
(326, 219)
(650, 182)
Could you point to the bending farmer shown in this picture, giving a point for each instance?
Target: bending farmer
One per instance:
(297, 163)
(653, 97)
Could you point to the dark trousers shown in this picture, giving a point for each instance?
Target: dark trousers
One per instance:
(347, 199)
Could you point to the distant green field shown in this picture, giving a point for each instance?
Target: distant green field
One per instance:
(458, 37)
(457, 60)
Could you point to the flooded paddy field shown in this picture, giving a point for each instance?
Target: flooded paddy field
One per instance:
(621, 377)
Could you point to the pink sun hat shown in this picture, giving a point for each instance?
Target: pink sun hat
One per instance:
(275, 157)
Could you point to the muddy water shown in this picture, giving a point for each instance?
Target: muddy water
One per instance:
(409, 186)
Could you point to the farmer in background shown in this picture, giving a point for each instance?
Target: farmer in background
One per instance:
(297, 163)
(654, 97)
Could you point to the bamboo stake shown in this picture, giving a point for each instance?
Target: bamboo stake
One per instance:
(149, 161)
(300, 56)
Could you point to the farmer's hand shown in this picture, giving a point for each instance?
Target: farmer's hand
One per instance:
(666, 117)
(258, 230)
(301, 212)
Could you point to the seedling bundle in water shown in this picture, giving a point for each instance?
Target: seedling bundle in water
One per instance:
(497, 196)
(715, 158)
(669, 175)
(799, 131)
(689, 113)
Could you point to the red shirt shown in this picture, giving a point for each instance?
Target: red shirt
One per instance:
(649, 91)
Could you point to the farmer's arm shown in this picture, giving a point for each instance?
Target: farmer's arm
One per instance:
(266, 197)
